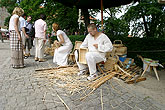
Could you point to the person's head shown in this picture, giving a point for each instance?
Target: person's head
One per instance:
(92, 29)
(18, 11)
(0, 27)
(43, 16)
(29, 18)
(55, 27)
(24, 15)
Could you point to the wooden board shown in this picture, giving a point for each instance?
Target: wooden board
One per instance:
(82, 52)
(77, 44)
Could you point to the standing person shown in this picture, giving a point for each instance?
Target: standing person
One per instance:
(40, 37)
(16, 46)
(28, 41)
(61, 53)
(1, 37)
(23, 31)
(98, 44)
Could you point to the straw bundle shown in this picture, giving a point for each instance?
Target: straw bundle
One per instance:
(64, 78)
(50, 50)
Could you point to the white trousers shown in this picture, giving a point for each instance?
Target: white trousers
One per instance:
(39, 45)
(91, 58)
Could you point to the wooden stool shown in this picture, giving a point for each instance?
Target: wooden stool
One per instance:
(152, 65)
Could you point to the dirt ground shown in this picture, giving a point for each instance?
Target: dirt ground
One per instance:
(151, 87)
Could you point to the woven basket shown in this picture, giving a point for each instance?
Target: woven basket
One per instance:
(72, 57)
(119, 44)
(110, 62)
(120, 50)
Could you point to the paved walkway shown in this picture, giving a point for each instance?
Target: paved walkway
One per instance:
(19, 90)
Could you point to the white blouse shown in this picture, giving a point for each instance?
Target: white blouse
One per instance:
(11, 22)
(66, 39)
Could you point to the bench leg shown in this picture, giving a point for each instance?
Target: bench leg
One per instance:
(145, 70)
(156, 73)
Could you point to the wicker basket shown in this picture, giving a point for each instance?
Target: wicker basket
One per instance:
(72, 57)
(119, 48)
(110, 62)
(56, 44)
(119, 44)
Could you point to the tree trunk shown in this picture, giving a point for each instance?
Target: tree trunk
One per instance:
(145, 26)
(86, 18)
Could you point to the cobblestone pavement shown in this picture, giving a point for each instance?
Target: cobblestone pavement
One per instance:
(19, 91)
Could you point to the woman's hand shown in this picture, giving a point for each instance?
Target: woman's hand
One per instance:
(19, 37)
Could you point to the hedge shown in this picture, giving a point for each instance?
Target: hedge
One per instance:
(153, 48)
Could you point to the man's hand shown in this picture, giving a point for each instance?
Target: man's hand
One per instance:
(95, 45)
(44, 40)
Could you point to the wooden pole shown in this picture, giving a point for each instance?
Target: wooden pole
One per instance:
(101, 14)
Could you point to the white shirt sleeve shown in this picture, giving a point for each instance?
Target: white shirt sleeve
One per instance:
(105, 45)
(59, 32)
(84, 43)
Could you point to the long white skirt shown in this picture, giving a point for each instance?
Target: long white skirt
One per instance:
(61, 55)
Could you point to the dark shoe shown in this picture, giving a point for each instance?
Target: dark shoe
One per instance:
(41, 60)
(25, 57)
(23, 66)
(28, 54)
(36, 59)
(16, 67)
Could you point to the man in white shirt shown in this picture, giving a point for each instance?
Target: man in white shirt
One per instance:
(98, 44)
(40, 38)
(23, 31)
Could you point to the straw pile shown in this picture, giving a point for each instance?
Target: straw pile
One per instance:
(66, 78)
(50, 50)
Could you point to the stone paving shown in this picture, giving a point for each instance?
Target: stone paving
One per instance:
(19, 90)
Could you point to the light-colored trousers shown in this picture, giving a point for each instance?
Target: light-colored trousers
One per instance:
(23, 38)
(91, 58)
(39, 45)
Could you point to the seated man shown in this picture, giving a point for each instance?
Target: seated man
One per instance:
(98, 44)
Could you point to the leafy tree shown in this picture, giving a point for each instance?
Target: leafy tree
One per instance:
(113, 26)
(147, 16)
(66, 17)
